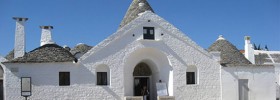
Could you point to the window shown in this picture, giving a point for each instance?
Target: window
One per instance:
(190, 77)
(148, 33)
(64, 78)
(101, 78)
(102, 75)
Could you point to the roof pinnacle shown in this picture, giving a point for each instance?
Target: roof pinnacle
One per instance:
(135, 8)
(221, 38)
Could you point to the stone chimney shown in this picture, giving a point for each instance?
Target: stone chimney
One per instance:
(46, 37)
(19, 49)
(249, 50)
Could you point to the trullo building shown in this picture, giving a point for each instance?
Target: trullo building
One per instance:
(146, 51)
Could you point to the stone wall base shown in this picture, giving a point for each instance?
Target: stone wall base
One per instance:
(166, 98)
(133, 98)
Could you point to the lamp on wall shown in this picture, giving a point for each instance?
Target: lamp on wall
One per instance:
(25, 87)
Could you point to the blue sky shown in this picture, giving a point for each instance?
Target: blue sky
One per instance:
(91, 21)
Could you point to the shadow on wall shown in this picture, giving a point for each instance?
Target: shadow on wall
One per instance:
(109, 90)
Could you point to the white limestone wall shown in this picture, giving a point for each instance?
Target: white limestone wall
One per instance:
(261, 82)
(277, 76)
(45, 83)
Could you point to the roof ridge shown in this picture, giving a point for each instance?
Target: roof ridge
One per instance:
(46, 45)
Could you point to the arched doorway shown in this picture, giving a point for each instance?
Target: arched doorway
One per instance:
(142, 76)
(157, 63)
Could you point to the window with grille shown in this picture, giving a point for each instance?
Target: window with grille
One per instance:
(148, 33)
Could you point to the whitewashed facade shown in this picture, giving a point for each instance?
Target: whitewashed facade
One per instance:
(260, 82)
(167, 57)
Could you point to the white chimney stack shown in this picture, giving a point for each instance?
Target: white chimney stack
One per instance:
(19, 49)
(249, 50)
(46, 37)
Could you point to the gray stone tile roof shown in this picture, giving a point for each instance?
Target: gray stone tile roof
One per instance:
(267, 57)
(276, 57)
(46, 53)
(262, 58)
(229, 53)
(10, 56)
(80, 48)
(135, 8)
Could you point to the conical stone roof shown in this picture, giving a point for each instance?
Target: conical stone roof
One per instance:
(10, 56)
(229, 53)
(80, 48)
(46, 53)
(135, 8)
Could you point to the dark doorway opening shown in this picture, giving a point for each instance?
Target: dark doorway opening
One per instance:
(142, 87)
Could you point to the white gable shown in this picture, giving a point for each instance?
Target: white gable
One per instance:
(169, 56)
(142, 19)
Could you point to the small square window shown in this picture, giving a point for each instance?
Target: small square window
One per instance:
(148, 33)
(64, 78)
(102, 78)
(190, 77)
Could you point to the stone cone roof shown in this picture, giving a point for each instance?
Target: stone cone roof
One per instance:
(135, 8)
(229, 53)
(80, 48)
(46, 53)
(10, 56)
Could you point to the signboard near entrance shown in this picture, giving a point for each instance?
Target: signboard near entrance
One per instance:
(161, 89)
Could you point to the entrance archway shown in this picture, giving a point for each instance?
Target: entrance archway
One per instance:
(158, 65)
(142, 75)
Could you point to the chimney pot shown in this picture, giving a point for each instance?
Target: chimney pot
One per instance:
(46, 27)
(247, 37)
(20, 18)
